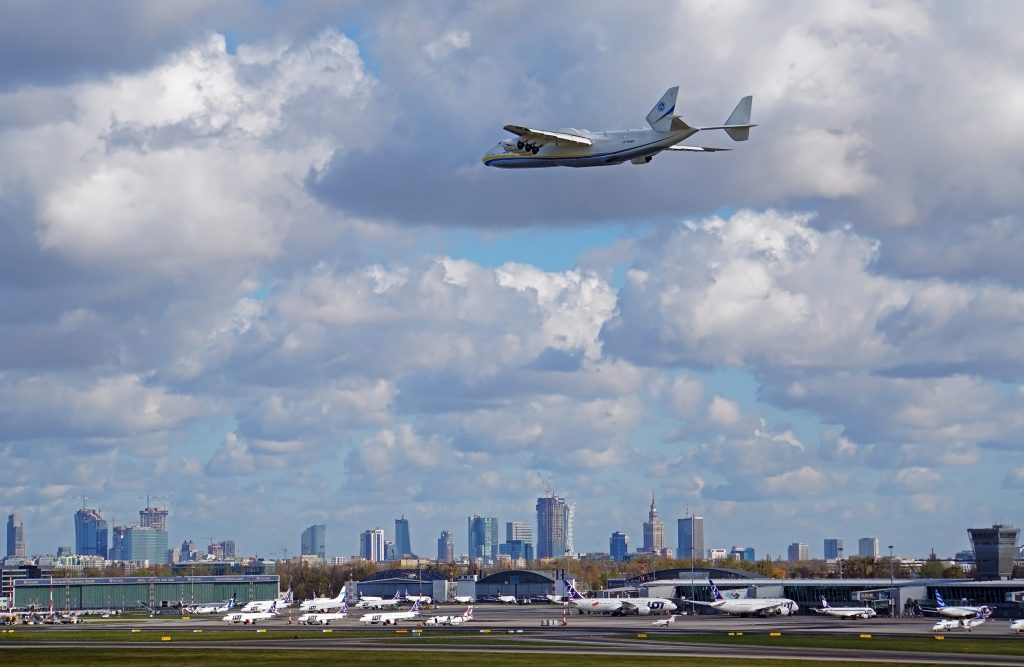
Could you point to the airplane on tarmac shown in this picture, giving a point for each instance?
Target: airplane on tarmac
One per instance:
(451, 620)
(374, 602)
(1017, 626)
(391, 617)
(844, 612)
(250, 618)
(324, 618)
(747, 606)
(507, 599)
(580, 148)
(665, 621)
(967, 624)
(213, 609)
(422, 599)
(955, 612)
(618, 606)
(464, 599)
(264, 605)
(324, 604)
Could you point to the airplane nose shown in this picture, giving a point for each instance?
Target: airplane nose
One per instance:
(670, 606)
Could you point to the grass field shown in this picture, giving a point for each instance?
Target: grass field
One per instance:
(11, 657)
(958, 644)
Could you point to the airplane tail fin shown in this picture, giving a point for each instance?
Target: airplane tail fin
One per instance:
(824, 603)
(570, 590)
(415, 606)
(660, 117)
(938, 599)
(738, 124)
(715, 593)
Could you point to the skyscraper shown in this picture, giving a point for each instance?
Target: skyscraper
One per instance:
(994, 550)
(618, 546)
(867, 547)
(371, 545)
(798, 551)
(153, 517)
(552, 523)
(16, 536)
(139, 543)
(691, 537)
(314, 541)
(483, 537)
(91, 536)
(228, 551)
(403, 546)
(833, 545)
(517, 530)
(446, 547)
(654, 531)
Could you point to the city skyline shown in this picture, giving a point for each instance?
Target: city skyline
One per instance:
(251, 258)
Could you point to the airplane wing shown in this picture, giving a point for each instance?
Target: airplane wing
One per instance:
(696, 149)
(544, 136)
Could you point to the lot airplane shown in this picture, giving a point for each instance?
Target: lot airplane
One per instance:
(507, 599)
(213, 609)
(324, 604)
(639, 606)
(324, 618)
(748, 606)
(845, 612)
(956, 612)
(251, 617)
(1017, 626)
(580, 148)
(391, 617)
(451, 620)
(374, 602)
(257, 606)
(422, 599)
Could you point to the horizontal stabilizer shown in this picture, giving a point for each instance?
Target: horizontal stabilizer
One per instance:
(737, 126)
(697, 149)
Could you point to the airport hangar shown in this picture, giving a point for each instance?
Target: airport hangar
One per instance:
(1005, 597)
(520, 583)
(133, 592)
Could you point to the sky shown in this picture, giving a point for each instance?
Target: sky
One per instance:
(252, 266)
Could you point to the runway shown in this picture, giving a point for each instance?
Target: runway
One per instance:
(524, 629)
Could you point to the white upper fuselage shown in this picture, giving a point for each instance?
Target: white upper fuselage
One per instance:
(322, 604)
(609, 147)
(248, 618)
(766, 606)
(321, 618)
(848, 612)
(212, 609)
(1017, 626)
(962, 612)
(958, 624)
(388, 617)
(640, 606)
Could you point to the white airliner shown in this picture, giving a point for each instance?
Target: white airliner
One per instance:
(264, 605)
(845, 612)
(955, 612)
(665, 621)
(580, 148)
(422, 599)
(1017, 626)
(747, 606)
(324, 604)
(213, 609)
(640, 606)
(967, 624)
(464, 617)
(373, 602)
(464, 599)
(250, 618)
(507, 599)
(324, 618)
(391, 617)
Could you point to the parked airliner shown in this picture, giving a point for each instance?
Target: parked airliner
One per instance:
(955, 612)
(845, 612)
(640, 606)
(391, 617)
(747, 606)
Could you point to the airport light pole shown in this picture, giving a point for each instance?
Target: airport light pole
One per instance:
(892, 603)
(840, 562)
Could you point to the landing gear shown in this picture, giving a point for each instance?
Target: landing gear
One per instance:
(520, 145)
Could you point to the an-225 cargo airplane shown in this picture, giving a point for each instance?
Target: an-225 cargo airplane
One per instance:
(580, 148)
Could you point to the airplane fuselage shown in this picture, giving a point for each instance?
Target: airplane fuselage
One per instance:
(609, 147)
(763, 606)
(319, 618)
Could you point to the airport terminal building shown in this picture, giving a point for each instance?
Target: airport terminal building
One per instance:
(121, 593)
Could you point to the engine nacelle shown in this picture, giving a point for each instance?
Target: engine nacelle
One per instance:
(642, 160)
